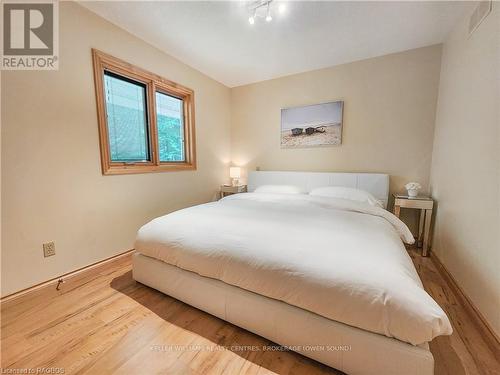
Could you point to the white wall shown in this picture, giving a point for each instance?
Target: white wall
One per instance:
(52, 186)
(465, 176)
(389, 113)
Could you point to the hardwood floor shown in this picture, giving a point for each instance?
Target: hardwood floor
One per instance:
(107, 323)
(465, 351)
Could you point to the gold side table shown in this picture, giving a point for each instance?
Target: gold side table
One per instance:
(425, 205)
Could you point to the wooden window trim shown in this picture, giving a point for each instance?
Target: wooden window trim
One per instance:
(103, 62)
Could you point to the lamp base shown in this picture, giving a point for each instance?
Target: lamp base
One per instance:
(235, 181)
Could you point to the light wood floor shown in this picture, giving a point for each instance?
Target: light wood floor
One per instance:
(108, 323)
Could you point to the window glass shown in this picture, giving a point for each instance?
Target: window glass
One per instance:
(170, 122)
(126, 119)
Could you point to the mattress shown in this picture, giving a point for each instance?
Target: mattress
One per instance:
(339, 259)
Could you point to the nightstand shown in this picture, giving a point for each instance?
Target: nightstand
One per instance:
(425, 205)
(228, 190)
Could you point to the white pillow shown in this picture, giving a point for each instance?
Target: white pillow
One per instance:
(346, 193)
(279, 189)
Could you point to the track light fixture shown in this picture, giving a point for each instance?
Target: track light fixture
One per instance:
(262, 9)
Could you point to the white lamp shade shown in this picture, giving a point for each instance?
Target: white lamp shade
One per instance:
(235, 172)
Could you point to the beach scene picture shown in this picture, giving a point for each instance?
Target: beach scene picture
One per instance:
(312, 125)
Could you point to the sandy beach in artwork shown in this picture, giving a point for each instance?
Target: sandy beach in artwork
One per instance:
(331, 136)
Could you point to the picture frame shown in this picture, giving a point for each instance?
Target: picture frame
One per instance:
(313, 125)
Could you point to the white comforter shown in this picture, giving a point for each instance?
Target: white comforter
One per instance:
(340, 259)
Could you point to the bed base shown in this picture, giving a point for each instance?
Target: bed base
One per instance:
(349, 349)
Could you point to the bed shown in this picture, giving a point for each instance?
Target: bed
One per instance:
(327, 277)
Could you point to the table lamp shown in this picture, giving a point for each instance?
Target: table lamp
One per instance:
(235, 174)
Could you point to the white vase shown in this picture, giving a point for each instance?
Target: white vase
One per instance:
(412, 193)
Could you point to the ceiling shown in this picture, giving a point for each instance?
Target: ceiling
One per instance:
(216, 38)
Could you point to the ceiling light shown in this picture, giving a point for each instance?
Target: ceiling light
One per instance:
(282, 8)
(251, 19)
(268, 16)
(262, 9)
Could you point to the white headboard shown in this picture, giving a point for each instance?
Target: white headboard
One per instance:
(375, 183)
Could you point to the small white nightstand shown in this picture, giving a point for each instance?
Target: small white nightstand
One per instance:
(228, 190)
(425, 205)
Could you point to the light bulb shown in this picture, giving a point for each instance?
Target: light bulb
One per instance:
(282, 8)
(251, 20)
(268, 16)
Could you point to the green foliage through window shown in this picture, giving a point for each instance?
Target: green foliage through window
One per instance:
(169, 115)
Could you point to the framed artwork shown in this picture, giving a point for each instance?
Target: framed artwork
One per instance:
(312, 125)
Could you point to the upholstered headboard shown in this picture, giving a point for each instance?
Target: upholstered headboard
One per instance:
(375, 183)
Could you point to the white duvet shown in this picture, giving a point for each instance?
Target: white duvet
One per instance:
(340, 259)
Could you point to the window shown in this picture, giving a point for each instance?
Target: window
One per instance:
(146, 123)
(126, 119)
(169, 117)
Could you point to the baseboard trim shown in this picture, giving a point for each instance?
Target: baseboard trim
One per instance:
(487, 332)
(66, 277)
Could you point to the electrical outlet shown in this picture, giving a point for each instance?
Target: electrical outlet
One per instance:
(49, 249)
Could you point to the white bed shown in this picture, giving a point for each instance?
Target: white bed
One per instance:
(334, 270)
